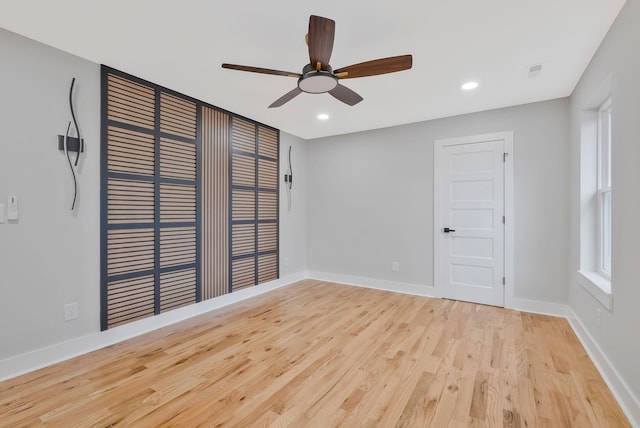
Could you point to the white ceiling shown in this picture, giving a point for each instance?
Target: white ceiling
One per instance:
(181, 44)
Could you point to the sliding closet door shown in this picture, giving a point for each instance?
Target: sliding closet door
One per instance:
(267, 238)
(177, 186)
(149, 200)
(189, 200)
(254, 218)
(128, 201)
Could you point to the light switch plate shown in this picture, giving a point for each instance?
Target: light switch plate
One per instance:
(2, 219)
(12, 211)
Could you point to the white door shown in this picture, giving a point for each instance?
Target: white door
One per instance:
(469, 229)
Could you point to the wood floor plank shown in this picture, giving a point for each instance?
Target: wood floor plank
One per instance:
(322, 354)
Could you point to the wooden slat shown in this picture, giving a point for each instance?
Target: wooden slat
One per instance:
(177, 203)
(215, 203)
(177, 246)
(243, 273)
(243, 135)
(130, 102)
(267, 237)
(267, 142)
(244, 205)
(177, 116)
(243, 170)
(130, 299)
(243, 239)
(267, 268)
(130, 250)
(267, 206)
(129, 201)
(177, 159)
(267, 174)
(177, 289)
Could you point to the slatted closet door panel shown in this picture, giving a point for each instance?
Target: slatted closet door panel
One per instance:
(129, 191)
(243, 203)
(215, 203)
(150, 199)
(254, 202)
(178, 202)
(268, 171)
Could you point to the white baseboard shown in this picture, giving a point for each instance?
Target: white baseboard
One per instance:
(39, 358)
(619, 388)
(378, 284)
(540, 307)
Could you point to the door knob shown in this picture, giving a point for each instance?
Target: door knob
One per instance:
(447, 230)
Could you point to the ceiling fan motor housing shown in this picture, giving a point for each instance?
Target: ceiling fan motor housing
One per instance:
(315, 81)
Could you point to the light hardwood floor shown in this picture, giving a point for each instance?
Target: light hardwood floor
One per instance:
(321, 354)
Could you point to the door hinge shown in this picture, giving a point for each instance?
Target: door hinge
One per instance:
(504, 281)
(503, 220)
(504, 157)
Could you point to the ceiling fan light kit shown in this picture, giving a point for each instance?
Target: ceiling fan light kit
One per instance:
(317, 81)
(318, 77)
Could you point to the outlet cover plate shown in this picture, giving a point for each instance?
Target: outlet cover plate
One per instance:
(70, 311)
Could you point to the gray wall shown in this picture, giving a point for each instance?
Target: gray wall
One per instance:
(50, 256)
(293, 221)
(372, 198)
(618, 58)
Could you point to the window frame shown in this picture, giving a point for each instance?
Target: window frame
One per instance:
(604, 188)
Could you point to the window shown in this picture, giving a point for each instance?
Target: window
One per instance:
(604, 189)
(594, 272)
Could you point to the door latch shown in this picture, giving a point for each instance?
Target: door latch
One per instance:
(447, 230)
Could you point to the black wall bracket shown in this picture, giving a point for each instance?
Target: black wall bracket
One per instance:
(73, 144)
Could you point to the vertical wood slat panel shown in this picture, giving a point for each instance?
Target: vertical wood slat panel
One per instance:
(215, 203)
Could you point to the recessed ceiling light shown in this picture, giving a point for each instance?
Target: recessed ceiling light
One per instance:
(470, 85)
(323, 116)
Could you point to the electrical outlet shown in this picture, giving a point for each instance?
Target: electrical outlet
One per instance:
(70, 311)
(599, 317)
(395, 267)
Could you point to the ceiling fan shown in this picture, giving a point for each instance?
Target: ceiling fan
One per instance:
(318, 77)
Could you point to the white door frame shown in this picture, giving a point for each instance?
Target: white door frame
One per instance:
(507, 136)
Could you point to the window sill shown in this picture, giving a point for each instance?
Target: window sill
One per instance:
(598, 286)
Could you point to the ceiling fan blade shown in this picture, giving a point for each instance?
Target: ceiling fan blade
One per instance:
(320, 40)
(345, 95)
(261, 70)
(286, 97)
(375, 67)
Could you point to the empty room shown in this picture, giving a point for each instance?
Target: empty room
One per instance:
(297, 214)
